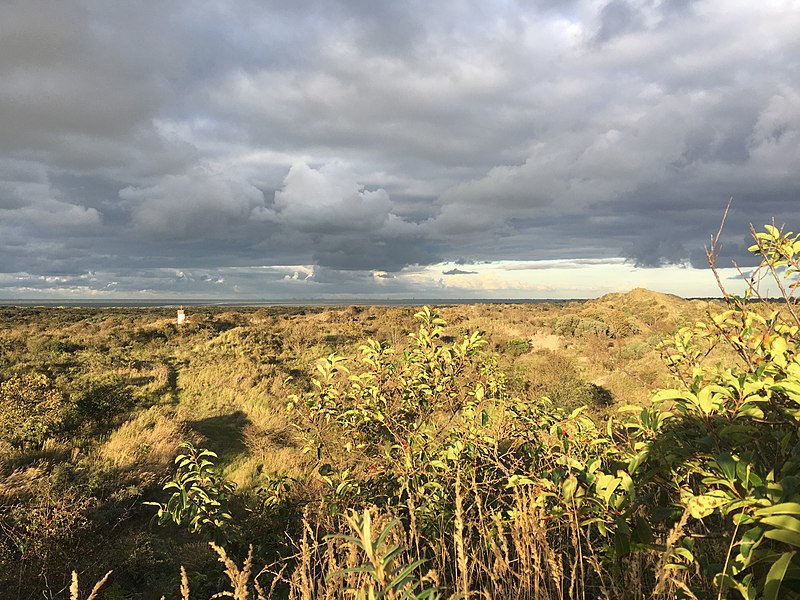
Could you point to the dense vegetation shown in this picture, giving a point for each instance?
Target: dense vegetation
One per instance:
(500, 451)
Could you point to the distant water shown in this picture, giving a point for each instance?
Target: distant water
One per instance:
(170, 303)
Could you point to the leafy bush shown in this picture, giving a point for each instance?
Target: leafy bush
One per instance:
(571, 325)
(633, 350)
(390, 430)
(705, 481)
(621, 325)
(591, 326)
(31, 410)
(433, 436)
(566, 325)
(724, 444)
(103, 401)
(557, 376)
(518, 346)
(200, 496)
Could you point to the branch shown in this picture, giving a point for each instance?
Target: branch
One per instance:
(712, 251)
(787, 297)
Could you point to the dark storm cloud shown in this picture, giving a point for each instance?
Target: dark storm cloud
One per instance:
(321, 138)
(72, 74)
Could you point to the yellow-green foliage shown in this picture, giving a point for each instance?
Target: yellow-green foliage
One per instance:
(31, 410)
(134, 385)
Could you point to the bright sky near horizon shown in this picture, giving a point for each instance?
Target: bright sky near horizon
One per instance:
(368, 148)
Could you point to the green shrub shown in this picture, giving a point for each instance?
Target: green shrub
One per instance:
(591, 326)
(571, 325)
(433, 436)
(556, 375)
(103, 401)
(566, 325)
(724, 444)
(31, 410)
(633, 350)
(621, 325)
(518, 347)
(200, 498)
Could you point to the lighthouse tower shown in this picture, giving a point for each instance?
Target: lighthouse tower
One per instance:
(181, 315)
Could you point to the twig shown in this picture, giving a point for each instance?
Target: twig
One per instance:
(712, 251)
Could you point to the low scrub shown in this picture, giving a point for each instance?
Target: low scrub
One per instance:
(694, 496)
(431, 473)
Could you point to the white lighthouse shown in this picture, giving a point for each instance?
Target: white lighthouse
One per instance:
(181, 315)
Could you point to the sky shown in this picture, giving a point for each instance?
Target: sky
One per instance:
(261, 149)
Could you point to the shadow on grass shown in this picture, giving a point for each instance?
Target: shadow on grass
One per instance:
(223, 434)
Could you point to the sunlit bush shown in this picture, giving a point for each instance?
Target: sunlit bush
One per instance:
(31, 410)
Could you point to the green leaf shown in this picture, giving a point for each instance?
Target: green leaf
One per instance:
(479, 392)
(606, 485)
(705, 400)
(385, 531)
(568, 487)
(783, 522)
(775, 576)
(790, 388)
(779, 346)
(784, 508)
(683, 553)
(404, 573)
(784, 535)
(637, 460)
(518, 480)
(702, 506)
(576, 412)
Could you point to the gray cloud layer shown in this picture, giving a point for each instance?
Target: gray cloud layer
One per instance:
(236, 142)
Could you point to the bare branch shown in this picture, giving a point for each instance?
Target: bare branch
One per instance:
(712, 251)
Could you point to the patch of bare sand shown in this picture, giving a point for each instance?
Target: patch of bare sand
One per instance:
(545, 341)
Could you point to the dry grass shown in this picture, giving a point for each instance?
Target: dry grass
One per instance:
(21, 482)
(149, 440)
(73, 588)
(522, 558)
